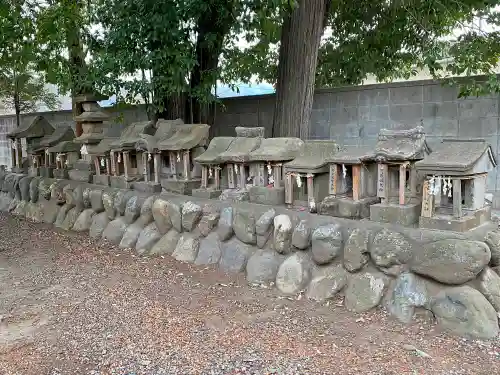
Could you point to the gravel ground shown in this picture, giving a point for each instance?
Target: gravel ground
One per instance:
(70, 306)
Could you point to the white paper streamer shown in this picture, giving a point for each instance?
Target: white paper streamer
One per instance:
(210, 172)
(102, 162)
(58, 157)
(269, 169)
(84, 150)
(178, 156)
(298, 179)
(46, 151)
(119, 157)
(344, 171)
(149, 156)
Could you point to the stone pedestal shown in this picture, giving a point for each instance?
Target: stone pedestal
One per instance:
(120, 182)
(347, 208)
(407, 215)
(267, 195)
(83, 171)
(462, 224)
(61, 173)
(184, 187)
(147, 187)
(47, 172)
(206, 193)
(101, 180)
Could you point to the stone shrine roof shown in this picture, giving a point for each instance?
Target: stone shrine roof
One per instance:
(400, 145)
(277, 149)
(217, 146)
(92, 116)
(65, 146)
(36, 128)
(60, 134)
(239, 150)
(131, 134)
(185, 137)
(351, 155)
(164, 130)
(458, 155)
(247, 132)
(102, 148)
(313, 155)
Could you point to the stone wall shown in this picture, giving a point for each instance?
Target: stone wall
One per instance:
(453, 276)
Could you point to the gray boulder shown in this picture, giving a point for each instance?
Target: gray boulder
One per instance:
(61, 215)
(235, 195)
(50, 210)
(489, 285)
(451, 261)
(464, 311)
(84, 220)
(356, 251)
(283, 230)
(148, 237)
(131, 235)
(78, 198)
(120, 201)
(244, 226)
(225, 227)
(96, 201)
(326, 243)
(115, 230)
(20, 209)
(70, 219)
(24, 188)
(326, 282)
(210, 250)
(45, 189)
(108, 198)
(166, 244)
(264, 227)
(175, 213)
(234, 256)
(209, 220)
(391, 252)
(86, 198)
(99, 223)
(262, 267)
(364, 291)
(294, 273)
(34, 191)
(191, 215)
(161, 215)
(133, 209)
(301, 237)
(493, 241)
(187, 248)
(34, 212)
(147, 209)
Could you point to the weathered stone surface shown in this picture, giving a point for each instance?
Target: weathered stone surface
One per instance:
(187, 248)
(166, 244)
(262, 240)
(69, 196)
(34, 190)
(78, 197)
(356, 252)
(234, 256)
(262, 267)
(108, 198)
(84, 220)
(191, 215)
(20, 208)
(235, 195)
(210, 250)
(45, 189)
(466, 312)
(294, 273)
(149, 236)
(208, 222)
(489, 285)
(301, 237)
(408, 292)
(70, 219)
(244, 226)
(283, 230)
(13, 204)
(61, 215)
(161, 215)
(34, 212)
(5, 201)
(115, 230)
(96, 200)
(86, 198)
(57, 191)
(131, 235)
(451, 261)
(266, 220)
(50, 210)
(493, 241)
(24, 188)
(99, 223)
(391, 251)
(147, 209)
(133, 209)
(364, 291)
(326, 243)
(120, 201)
(326, 282)
(225, 227)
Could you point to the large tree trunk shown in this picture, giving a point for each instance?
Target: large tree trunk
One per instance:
(298, 57)
(17, 107)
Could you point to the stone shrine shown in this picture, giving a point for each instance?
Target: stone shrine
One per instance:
(396, 153)
(154, 166)
(267, 163)
(65, 154)
(126, 161)
(101, 154)
(455, 186)
(181, 175)
(309, 171)
(352, 184)
(32, 132)
(213, 172)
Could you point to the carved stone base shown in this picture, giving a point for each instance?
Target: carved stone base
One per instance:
(147, 187)
(102, 179)
(206, 193)
(61, 173)
(347, 208)
(184, 187)
(120, 182)
(406, 215)
(464, 224)
(267, 195)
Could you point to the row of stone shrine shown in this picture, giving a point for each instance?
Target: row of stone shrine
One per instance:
(400, 180)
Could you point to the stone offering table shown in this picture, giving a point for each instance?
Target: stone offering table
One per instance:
(32, 131)
(352, 184)
(455, 186)
(266, 162)
(154, 166)
(65, 154)
(126, 162)
(181, 175)
(213, 173)
(309, 171)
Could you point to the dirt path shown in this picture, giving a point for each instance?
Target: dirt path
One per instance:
(69, 306)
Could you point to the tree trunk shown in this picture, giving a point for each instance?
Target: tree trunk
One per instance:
(17, 108)
(298, 57)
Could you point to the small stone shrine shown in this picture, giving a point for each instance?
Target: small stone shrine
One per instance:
(32, 132)
(186, 143)
(309, 172)
(65, 154)
(236, 163)
(43, 161)
(101, 155)
(213, 173)
(126, 161)
(352, 184)
(396, 153)
(267, 162)
(455, 185)
(154, 165)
